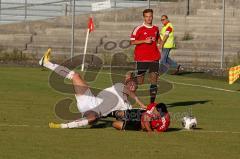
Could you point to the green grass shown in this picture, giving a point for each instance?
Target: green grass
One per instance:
(27, 105)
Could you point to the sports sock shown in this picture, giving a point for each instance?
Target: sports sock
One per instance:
(61, 70)
(153, 92)
(76, 124)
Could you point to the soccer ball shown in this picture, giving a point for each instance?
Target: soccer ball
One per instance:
(189, 122)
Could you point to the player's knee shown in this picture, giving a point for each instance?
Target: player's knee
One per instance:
(153, 78)
(91, 116)
(117, 125)
(75, 76)
(140, 79)
(119, 114)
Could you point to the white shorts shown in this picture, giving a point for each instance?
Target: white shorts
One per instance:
(87, 101)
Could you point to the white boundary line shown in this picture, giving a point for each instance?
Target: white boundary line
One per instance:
(210, 131)
(190, 131)
(14, 125)
(180, 83)
(203, 86)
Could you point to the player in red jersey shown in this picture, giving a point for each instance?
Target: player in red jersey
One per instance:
(156, 118)
(154, 121)
(146, 54)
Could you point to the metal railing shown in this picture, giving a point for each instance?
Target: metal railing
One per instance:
(22, 10)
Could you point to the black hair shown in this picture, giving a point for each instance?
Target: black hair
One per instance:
(147, 11)
(162, 109)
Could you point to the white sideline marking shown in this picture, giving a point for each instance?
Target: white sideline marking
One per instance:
(209, 131)
(185, 84)
(15, 125)
(191, 131)
(7, 125)
(203, 86)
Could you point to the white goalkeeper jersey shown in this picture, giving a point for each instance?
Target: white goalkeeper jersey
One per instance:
(116, 98)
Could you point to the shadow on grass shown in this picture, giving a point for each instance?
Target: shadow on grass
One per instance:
(102, 124)
(187, 103)
(189, 73)
(198, 129)
(173, 129)
(202, 75)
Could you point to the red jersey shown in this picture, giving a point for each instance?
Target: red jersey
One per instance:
(158, 123)
(146, 52)
(161, 124)
(151, 107)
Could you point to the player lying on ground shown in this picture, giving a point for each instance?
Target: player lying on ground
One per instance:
(92, 107)
(155, 118)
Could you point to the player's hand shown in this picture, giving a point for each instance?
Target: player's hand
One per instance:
(160, 46)
(148, 40)
(143, 106)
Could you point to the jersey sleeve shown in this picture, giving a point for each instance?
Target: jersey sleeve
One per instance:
(168, 30)
(135, 34)
(162, 128)
(165, 124)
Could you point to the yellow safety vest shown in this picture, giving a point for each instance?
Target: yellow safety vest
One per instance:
(170, 41)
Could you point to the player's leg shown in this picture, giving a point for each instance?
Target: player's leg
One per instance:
(89, 118)
(118, 125)
(120, 115)
(163, 66)
(127, 125)
(153, 77)
(61, 70)
(80, 86)
(128, 119)
(171, 62)
(164, 56)
(141, 70)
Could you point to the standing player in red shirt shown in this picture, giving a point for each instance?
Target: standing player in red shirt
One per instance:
(146, 54)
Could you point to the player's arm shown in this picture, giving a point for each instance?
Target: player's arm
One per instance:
(148, 127)
(159, 41)
(133, 96)
(168, 31)
(164, 41)
(137, 42)
(145, 123)
(134, 38)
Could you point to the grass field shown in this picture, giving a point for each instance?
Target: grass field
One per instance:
(27, 106)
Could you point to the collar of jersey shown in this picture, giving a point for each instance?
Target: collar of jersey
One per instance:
(147, 26)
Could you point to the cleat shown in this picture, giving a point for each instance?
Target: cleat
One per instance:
(46, 57)
(54, 126)
(177, 70)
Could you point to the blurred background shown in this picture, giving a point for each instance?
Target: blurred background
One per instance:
(207, 31)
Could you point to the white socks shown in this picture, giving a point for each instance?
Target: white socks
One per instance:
(75, 124)
(61, 70)
(50, 65)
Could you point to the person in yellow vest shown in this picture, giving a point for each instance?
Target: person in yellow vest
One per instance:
(167, 44)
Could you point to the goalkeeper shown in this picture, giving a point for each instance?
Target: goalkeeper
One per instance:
(93, 107)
